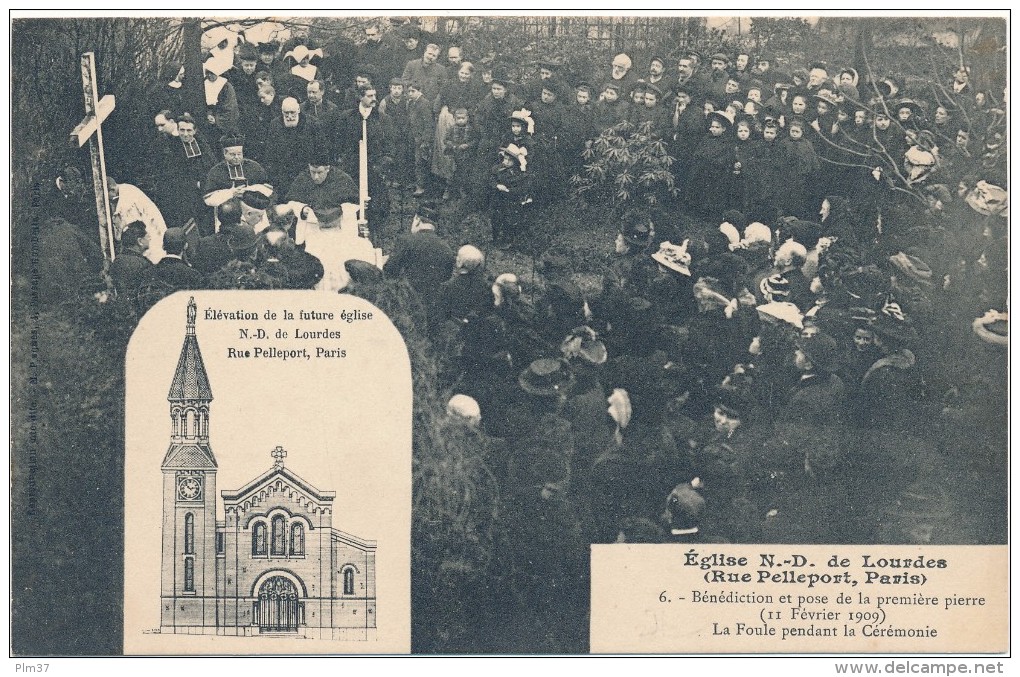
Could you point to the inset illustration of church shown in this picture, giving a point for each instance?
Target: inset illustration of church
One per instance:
(275, 565)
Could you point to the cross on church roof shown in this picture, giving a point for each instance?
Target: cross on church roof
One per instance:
(279, 454)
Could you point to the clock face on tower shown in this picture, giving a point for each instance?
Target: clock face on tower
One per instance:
(189, 489)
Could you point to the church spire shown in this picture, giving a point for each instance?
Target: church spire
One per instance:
(189, 399)
(190, 380)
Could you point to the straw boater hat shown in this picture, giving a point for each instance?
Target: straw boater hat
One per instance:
(674, 257)
(993, 327)
(781, 311)
(913, 267)
(546, 377)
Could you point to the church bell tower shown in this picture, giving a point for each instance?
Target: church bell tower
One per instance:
(188, 584)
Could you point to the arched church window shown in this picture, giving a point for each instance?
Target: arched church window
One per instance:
(297, 539)
(190, 424)
(349, 581)
(279, 546)
(258, 539)
(189, 574)
(189, 534)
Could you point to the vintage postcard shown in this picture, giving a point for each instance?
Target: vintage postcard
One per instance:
(510, 333)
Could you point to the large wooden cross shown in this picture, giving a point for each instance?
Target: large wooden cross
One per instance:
(91, 129)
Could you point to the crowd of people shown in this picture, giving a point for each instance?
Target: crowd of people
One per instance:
(747, 373)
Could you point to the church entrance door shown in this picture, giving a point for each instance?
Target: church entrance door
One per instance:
(278, 606)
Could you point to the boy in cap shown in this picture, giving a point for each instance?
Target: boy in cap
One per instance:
(712, 166)
(394, 114)
(636, 102)
(491, 116)
(687, 125)
(578, 127)
(764, 177)
(548, 75)
(422, 128)
(654, 112)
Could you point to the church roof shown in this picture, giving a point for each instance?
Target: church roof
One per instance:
(190, 380)
(268, 476)
(189, 456)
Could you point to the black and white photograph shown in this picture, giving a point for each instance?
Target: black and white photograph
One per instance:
(688, 280)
